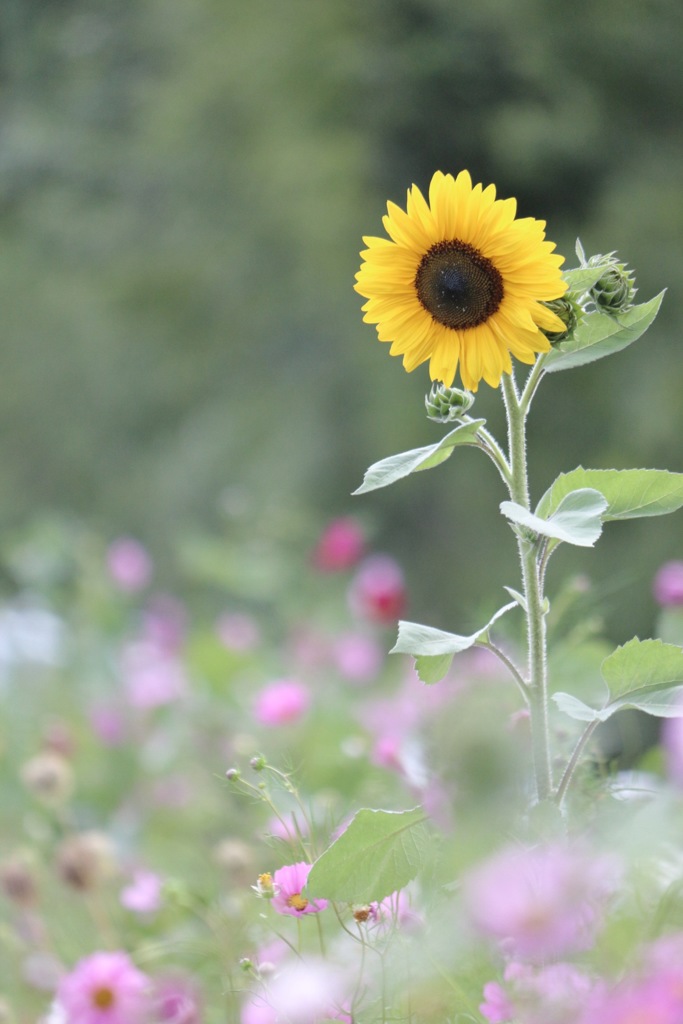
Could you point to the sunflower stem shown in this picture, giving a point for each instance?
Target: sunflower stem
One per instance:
(516, 410)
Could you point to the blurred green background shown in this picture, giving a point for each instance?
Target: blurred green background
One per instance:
(183, 189)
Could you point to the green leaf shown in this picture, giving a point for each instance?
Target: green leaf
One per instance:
(379, 853)
(630, 493)
(433, 649)
(642, 665)
(387, 471)
(577, 519)
(643, 674)
(583, 278)
(602, 334)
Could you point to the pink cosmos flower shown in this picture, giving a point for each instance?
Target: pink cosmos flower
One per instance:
(340, 546)
(238, 631)
(667, 586)
(542, 902)
(555, 994)
(288, 883)
(357, 656)
(672, 742)
(143, 895)
(377, 592)
(176, 1001)
(152, 676)
(301, 993)
(129, 564)
(657, 999)
(281, 703)
(105, 988)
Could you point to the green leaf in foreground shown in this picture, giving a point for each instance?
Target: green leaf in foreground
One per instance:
(630, 493)
(643, 674)
(394, 468)
(602, 334)
(577, 519)
(433, 649)
(379, 853)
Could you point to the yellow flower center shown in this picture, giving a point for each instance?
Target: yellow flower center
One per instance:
(265, 880)
(103, 998)
(297, 901)
(457, 285)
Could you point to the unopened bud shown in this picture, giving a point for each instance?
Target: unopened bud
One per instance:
(86, 860)
(569, 312)
(18, 882)
(447, 405)
(49, 777)
(615, 290)
(233, 775)
(258, 763)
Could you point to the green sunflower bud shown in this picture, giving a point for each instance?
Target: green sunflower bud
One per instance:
(569, 311)
(615, 290)
(447, 405)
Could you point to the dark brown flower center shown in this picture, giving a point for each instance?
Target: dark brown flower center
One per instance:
(458, 286)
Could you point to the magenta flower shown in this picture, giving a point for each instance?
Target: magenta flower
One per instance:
(667, 586)
(540, 903)
(340, 546)
(281, 703)
(377, 592)
(657, 999)
(288, 883)
(105, 988)
(129, 564)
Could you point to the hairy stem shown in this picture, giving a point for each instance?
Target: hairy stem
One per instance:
(537, 681)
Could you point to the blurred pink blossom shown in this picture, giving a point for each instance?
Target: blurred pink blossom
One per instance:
(151, 675)
(667, 586)
(340, 546)
(176, 1001)
(281, 703)
(541, 902)
(552, 994)
(164, 623)
(143, 895)
(105, 988)
(377, 592)
(302, 992)
(238, 631)
(357, 656)
(655, 999)
(108, 724)
(129, 564)
(288, 883)
(672, 743)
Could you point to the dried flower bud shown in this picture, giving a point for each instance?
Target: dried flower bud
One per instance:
(447, 405)
(361, 914)
(615, 290)
(49, 777)
(18, 882)
(86, 860)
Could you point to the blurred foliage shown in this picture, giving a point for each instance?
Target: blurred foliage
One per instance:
(183, 189)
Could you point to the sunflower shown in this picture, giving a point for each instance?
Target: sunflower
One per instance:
(461, 282)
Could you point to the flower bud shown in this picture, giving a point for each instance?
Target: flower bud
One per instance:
(447, 405)
(86, 860)
(49, 777)
(614, 291)
(18, 882)
(569, 311)
(233, 775)
(258, 763)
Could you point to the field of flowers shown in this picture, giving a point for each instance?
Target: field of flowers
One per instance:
(170, 768)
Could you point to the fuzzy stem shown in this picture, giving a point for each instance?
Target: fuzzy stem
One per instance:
(537, 684)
